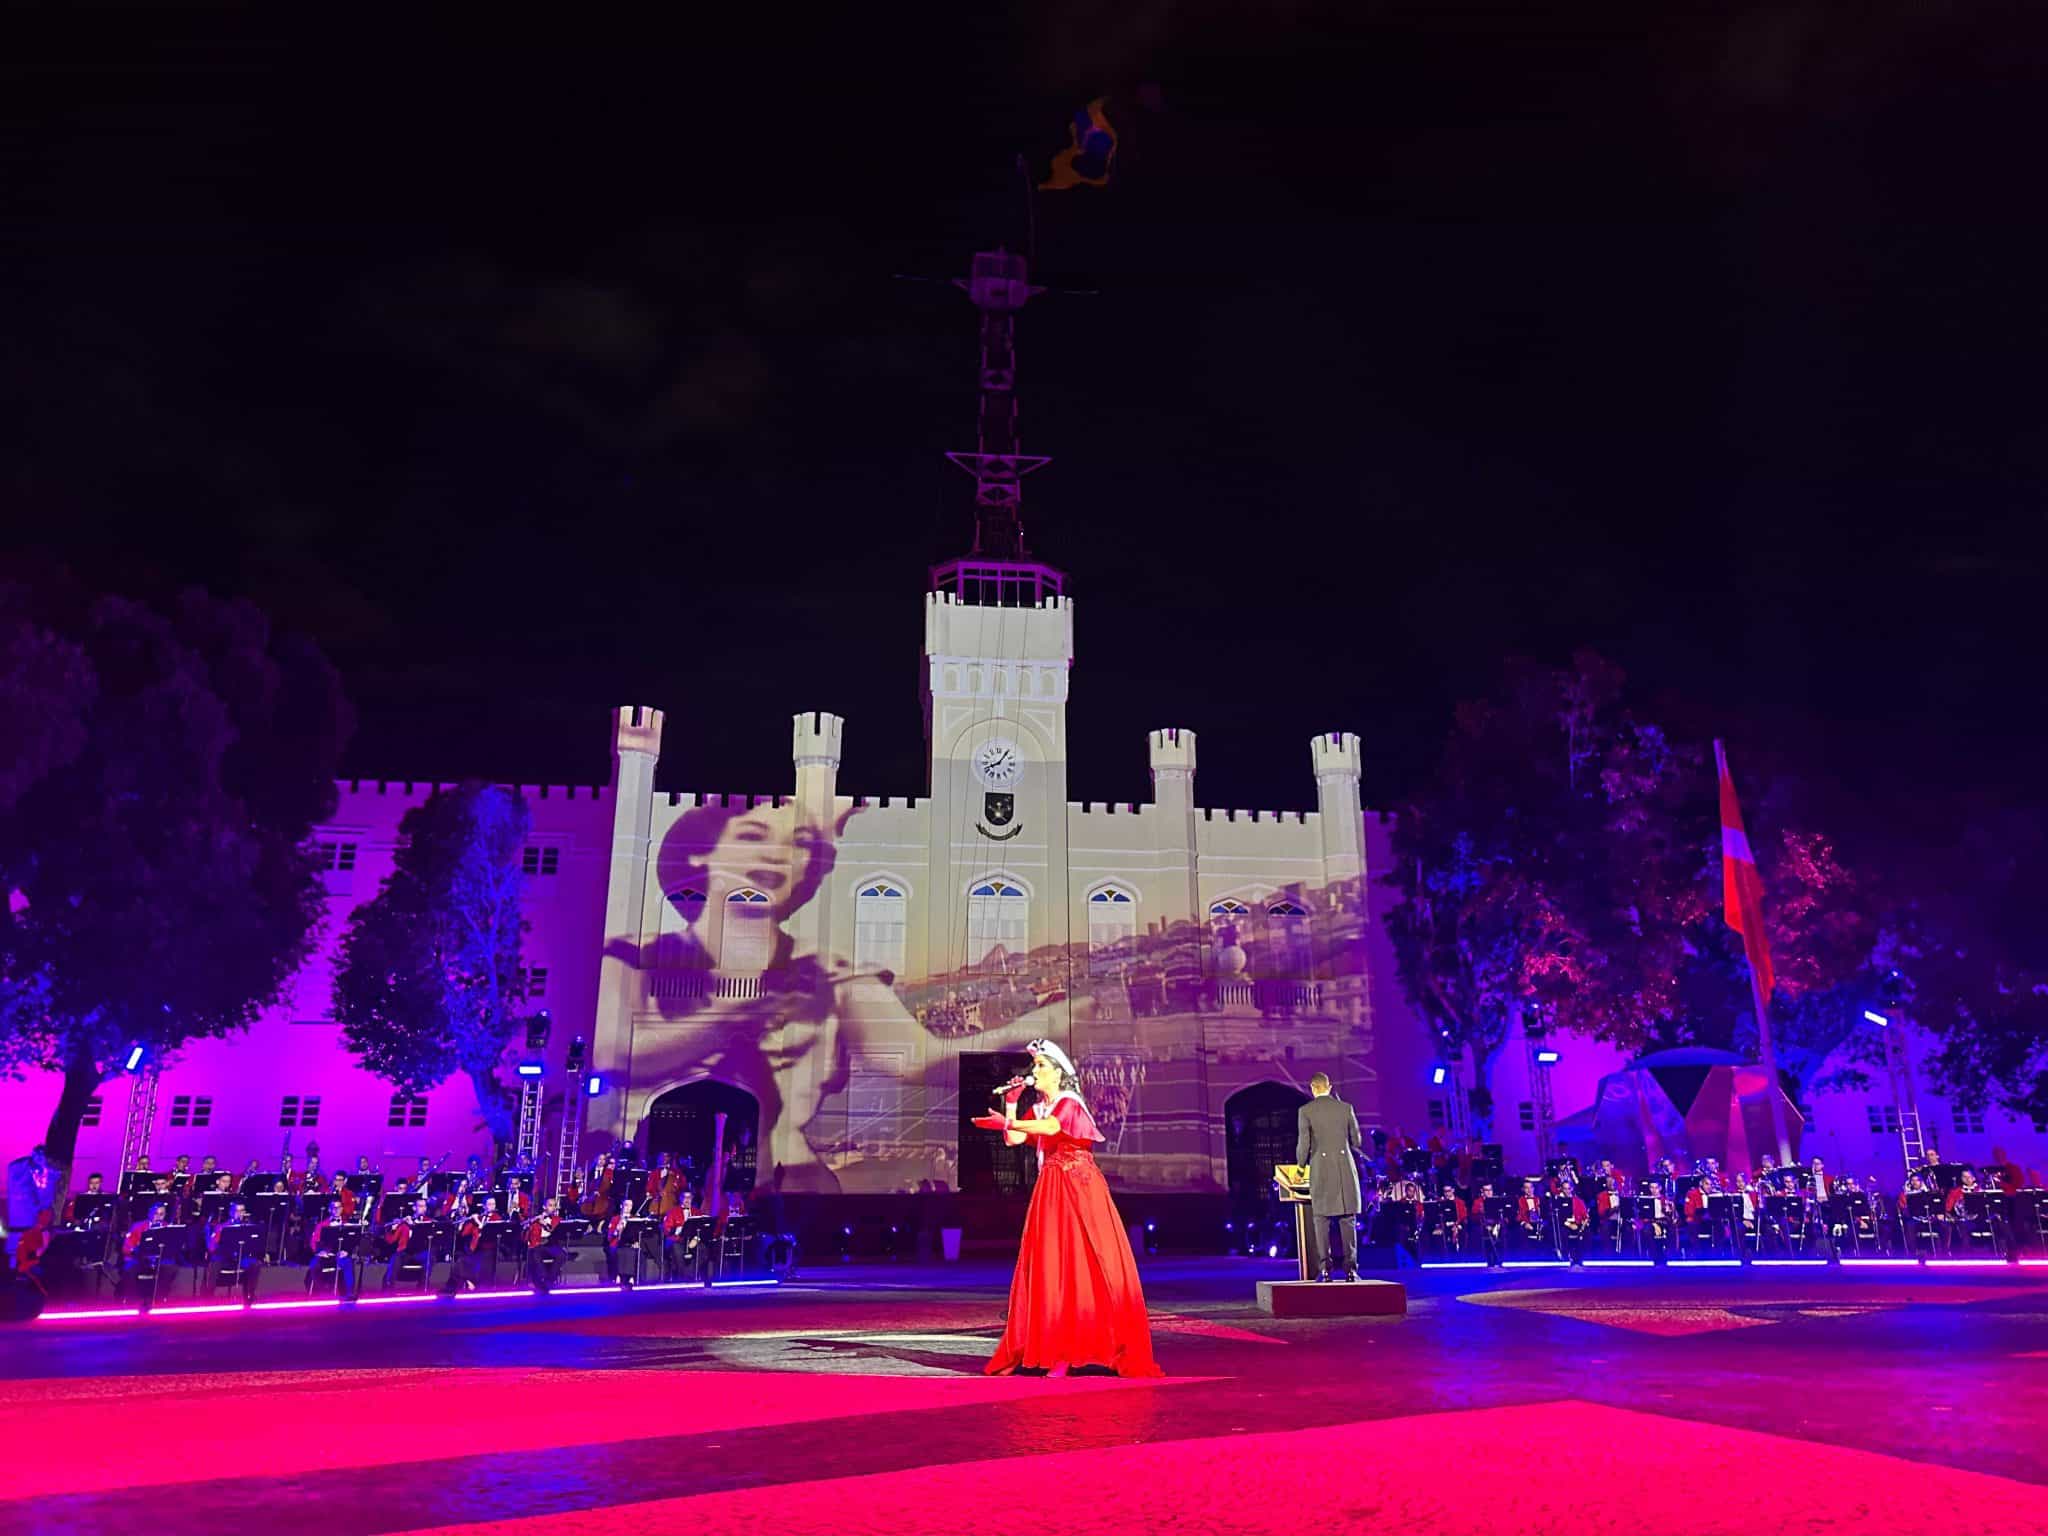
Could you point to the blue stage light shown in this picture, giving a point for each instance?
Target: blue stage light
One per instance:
(530, 1069)
(1877, 1018)
(595, 1085)
(1546, 1058)
(1436, 1075)
(134, 1062)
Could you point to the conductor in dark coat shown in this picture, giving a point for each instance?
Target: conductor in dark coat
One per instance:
(1326, 1137)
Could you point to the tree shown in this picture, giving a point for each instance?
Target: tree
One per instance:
(1974, 959)
(1550, 872)
(158, 883)
(428, 980)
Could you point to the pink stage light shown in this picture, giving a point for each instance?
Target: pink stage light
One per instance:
(1704, 1264)
(1912, 1263)
(295, 1306)
(1621, 1264)
(1454, 1264)
(1788, 1263)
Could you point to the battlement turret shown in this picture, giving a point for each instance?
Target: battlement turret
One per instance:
(817, 738)
(1336, 752)
(1172, 750)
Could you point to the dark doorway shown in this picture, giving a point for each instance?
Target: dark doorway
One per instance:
(683, 1122)
(1259, 1131)
(987, 1167)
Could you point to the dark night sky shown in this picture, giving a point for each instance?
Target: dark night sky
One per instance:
(533, 373)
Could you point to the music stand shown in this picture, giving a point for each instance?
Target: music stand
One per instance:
(1290, 1180)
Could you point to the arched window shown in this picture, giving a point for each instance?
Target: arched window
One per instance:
(881, 927)
(1112, 925)
(1228, 914)
(748, 943)
(998, 924)
(680, 909)
(1287, 938)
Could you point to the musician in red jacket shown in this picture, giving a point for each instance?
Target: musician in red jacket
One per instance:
(618, 1265)
(95, 1185)
(678, 1246)
(28, 1258)
(240, 1249)
(138, 1259)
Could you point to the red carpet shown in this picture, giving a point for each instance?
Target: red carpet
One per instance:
(1577, 1469)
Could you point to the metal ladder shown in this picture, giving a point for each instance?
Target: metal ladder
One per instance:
(1912, 1140)
(572, 1120)
(526, 1146)
(1539, 1090)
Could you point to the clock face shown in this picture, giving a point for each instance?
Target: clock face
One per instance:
(998, 764)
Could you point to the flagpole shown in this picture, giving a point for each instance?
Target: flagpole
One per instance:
(1768, 1058)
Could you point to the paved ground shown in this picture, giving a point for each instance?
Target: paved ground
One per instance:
(851, 1401)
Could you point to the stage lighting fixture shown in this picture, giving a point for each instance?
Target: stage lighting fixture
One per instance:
(530, 1069)
(595, 1085)
(1877, 1018)
(1546, 1058)
(134, 1061)
(1436, 1075)
(537, 1031)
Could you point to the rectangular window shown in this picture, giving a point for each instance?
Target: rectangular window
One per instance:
(1884, 1119)
(408, 1111)
(1969, 1121)
(92, 1111)
(1527, 1114)
(191, 1110)
(540, 861)
(533, 981)
(336, 856)
(299, 1109)
(1438, 1115)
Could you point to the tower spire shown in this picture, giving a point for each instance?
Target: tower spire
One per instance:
(1000, 569)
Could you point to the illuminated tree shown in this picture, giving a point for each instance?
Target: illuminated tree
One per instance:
(428, 982)
(155, 881)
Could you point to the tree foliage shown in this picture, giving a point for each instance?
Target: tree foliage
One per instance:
(1973, 956)
(428, 979)
(1565, 868)
(153, 836)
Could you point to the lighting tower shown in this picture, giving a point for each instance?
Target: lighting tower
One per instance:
(141, 1120)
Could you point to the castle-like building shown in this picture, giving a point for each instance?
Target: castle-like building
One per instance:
(846, 977)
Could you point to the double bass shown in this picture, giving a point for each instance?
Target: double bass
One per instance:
(598, 1204)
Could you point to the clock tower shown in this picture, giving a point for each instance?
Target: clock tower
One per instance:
(999, 642)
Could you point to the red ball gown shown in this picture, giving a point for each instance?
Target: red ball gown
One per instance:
(1075, 1298)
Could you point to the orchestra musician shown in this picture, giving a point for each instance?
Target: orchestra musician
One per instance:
(466, 1260)
(679, 1246)
(1485, 1216)
(543, 1253)
(340, 1213)
(95, 1186)
(400, 1233)
(28, 1257)
(1529, 1215)
(312, 1181)
(347, 1201)
(615, 1237)
(247, 1256)
(255, 1167)
(139, 1258)
(183, 1192)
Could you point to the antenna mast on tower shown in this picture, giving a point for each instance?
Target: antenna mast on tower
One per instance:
(1000, 569)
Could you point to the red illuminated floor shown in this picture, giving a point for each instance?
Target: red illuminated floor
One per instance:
(1812, 1401)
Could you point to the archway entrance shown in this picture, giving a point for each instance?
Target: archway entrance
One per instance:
(1259, 1131)
(683, 1122)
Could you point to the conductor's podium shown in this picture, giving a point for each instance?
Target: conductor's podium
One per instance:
(1304, 1297)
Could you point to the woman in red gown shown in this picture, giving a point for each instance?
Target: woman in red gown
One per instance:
(1074, 1300)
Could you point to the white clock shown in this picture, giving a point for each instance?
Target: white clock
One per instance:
(998, 764)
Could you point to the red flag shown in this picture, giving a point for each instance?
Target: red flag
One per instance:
(1742, 889)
